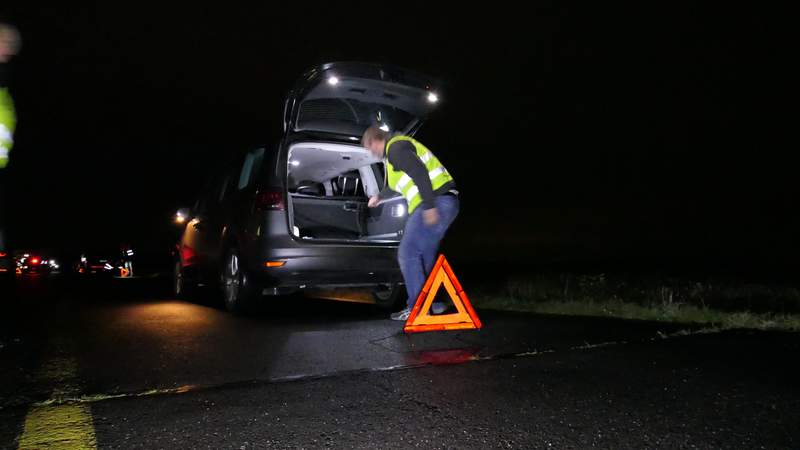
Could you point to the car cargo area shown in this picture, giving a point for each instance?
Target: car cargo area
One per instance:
(329, 186)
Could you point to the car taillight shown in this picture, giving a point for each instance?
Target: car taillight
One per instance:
(34, 261)
(3, 254)
(270, 198)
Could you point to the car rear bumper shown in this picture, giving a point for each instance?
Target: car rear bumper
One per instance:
(332, 266)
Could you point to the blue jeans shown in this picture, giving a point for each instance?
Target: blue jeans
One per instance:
(420, 244)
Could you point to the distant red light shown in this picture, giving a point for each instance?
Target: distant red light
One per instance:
(3, 254)
(34, 261)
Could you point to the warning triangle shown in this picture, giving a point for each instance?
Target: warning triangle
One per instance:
(421, 317)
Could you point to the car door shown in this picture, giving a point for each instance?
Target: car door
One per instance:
(200, 247)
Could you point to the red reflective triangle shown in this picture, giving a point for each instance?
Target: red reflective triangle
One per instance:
(420, 318)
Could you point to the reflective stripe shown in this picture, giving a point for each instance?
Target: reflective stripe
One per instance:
(5, 133)
(402, 182)
(411, 193)
(435, 173)
(426, 157)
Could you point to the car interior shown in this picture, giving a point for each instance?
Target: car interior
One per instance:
(329, 187)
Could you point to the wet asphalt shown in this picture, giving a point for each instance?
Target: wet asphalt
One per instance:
(157, 372)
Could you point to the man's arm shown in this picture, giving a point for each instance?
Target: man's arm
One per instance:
(386, 193)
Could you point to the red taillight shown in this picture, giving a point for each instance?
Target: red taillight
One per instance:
(3, 254)
(34, 261)
(270, 198)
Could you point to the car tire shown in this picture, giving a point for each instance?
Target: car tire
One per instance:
(388, 297)
(238, 289)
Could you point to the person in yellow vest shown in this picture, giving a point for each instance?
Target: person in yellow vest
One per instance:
(9, 45)
(413, 171)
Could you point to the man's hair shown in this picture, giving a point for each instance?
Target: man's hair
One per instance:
(10, 34)
(374, 133)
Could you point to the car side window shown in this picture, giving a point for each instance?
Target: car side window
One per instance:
(250, 167)
(200, 205)
(224, 188)
(208, 196)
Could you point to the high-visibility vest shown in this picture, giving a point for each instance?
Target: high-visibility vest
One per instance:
(399, 181)
(8, 121)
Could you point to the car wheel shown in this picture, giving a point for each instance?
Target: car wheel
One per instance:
(388, 296)
(238, 291)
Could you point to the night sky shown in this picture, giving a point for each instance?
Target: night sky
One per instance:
(576, 132)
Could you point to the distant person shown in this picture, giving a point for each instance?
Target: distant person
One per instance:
(413, 171)
(9, 46)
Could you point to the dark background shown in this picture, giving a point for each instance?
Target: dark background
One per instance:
(578, 133)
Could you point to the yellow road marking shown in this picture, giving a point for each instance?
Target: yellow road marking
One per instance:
(56, 427)
(62, 424)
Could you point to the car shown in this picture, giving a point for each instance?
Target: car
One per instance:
(34, 262)
(293, 217)
(101, 262)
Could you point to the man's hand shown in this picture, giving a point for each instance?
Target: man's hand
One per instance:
(430, 216)
(373, 201)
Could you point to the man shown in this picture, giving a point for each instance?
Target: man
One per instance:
(413, 171)
(9, 45)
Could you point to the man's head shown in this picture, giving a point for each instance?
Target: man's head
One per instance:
(374, 140)
(10, 42)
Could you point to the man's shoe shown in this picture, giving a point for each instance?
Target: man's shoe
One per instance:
(438, 308)
(401, 315)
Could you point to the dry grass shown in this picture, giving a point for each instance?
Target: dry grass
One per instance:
(719, 305)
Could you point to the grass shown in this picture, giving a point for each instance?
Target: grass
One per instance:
(719, 305)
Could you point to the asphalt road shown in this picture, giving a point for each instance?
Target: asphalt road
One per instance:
(120, 364)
